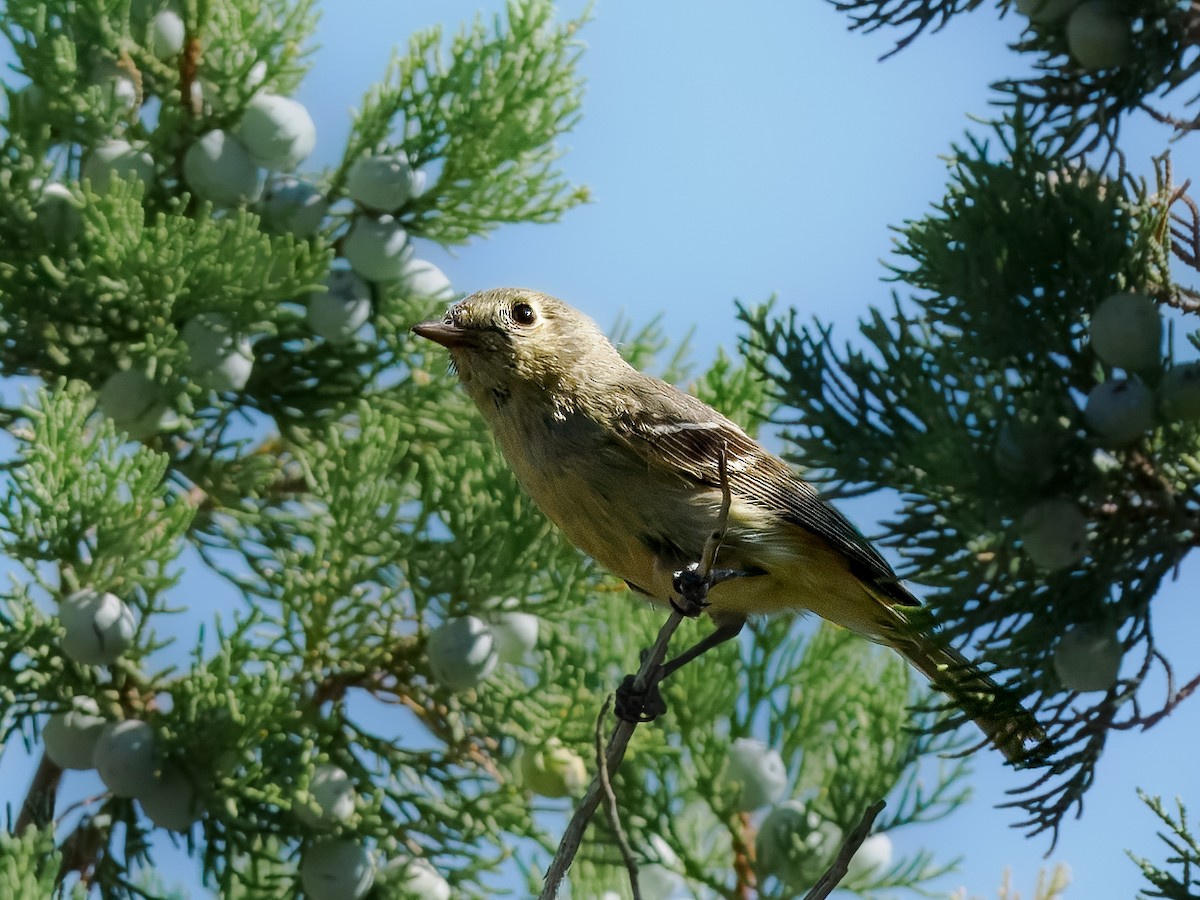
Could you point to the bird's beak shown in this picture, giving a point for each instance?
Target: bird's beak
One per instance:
(446, 334)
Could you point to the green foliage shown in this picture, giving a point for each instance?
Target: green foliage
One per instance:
(483, 118)
(998, 336)
(92, 44)
(237, 36)
(69, 313)
(736, 389)
(80, 510)
(994, 362)
(913, 15)
(28, 863)
(346, 501)
(334, 493)
(1082, 108)
(1182, 879)
(76, 497)
(1050, 886)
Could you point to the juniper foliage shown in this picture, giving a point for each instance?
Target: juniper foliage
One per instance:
(285, 547)
(967, 393)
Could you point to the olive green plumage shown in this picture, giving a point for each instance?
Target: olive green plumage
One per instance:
(628, 467)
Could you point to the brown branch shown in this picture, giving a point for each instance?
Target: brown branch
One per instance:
(1182, 694)
(437, 721)
(387, 679)
(82, 849)
(189, 67)
(610, 802)
(647, 677)
(1181, 126)
(82, 803)
(743, 857)
(841, 864)
(38, 808)
(1174, 698)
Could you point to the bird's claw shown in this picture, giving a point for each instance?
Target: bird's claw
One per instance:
(688, 607)
(693, 587)
(638, 706)
(692, 590)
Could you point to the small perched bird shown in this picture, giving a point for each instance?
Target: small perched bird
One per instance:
(629, 467)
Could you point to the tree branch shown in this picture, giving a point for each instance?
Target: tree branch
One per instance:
(647, 677)
(841, 864)
(610, 803)
(38, 808)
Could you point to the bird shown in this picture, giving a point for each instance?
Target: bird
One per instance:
(633, 471)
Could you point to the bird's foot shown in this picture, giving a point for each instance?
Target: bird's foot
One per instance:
(693, 587)
(637, 706)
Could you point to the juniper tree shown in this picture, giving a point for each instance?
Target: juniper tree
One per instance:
(1016, 391)
(402, 695)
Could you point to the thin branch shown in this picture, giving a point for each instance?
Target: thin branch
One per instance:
(618, 742)
(841, 865)
(82, 849)
(610, 805)
(38, 808)
(189, 66)
(84, 803)
(743, 857)
(1173, 701)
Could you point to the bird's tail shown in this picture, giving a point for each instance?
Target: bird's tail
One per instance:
(995, 709)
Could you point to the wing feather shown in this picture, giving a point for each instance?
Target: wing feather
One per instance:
(684, 437)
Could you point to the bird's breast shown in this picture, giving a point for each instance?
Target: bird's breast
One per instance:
(637, 521)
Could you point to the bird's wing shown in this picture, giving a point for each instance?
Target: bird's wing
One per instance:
(684, 437)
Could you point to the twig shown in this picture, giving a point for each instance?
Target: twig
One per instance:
(84, 803)
(82, 849)
(645, 680)
(1173, 701)
(189, 67)
(38, 808)
(610, 804)
(647, 676)
(841, 865)
(743, 857)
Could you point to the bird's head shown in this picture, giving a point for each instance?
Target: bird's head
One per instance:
(505, 337)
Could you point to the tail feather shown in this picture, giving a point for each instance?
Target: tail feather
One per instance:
(996, 710)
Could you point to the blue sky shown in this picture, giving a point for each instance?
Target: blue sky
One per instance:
(739, 151)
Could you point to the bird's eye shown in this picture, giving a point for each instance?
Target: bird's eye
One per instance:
(523, 313)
